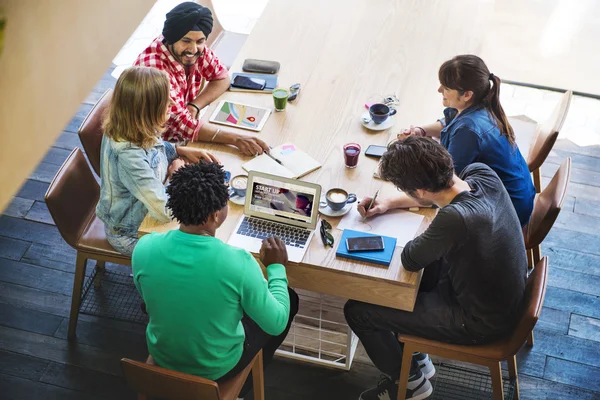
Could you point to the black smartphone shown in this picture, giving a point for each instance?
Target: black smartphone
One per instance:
(375, 151)
(245, 82)
(364, 243)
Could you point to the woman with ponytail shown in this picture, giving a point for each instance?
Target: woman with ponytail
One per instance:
(476, 129)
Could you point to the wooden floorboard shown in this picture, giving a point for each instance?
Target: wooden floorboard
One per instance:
(36, 279)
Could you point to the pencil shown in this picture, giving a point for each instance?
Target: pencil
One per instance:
(370, 204)
(269, 154)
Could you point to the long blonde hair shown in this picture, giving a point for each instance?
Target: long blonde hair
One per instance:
(137, 112)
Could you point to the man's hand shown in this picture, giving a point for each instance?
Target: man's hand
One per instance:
(413, 130)
(273, 251)
(250, 145)
(378, 207)
(194, 155)
(175, 165)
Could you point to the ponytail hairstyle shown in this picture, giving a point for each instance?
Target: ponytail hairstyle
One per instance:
(469, 73)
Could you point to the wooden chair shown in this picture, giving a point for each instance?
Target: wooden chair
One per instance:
(546, 208)
(90, 132)
(71, 199)
(225, 44)
(489, 355)
(545, 137)
(149, 380)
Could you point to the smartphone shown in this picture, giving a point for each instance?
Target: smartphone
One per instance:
(375, 151)
(364, 243)
(245, 82)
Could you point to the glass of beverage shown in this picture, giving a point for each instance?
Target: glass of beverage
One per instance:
(280, 98)
(351, 153)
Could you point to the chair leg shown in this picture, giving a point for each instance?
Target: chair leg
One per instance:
(76, 297)
(530, 263)
(530, 339)
(512, 372)
(537, 180)
(100, 268)
(537, 254)
(405, 370)
(496, 374)
(258, 378)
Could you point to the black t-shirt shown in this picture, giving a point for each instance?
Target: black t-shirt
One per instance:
(480, 239)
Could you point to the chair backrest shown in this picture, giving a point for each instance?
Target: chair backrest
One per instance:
(72, 197)
(217, 29)
(155, 381)
(533, 300)
(547, 206)
(547, 133)
(90, 132)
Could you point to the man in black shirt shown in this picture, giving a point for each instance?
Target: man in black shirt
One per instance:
(473, 256)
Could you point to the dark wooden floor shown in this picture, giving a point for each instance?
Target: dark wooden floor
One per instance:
(36, 278)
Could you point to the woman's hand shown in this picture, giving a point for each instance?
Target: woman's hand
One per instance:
(250, 145)
(194, 155)
(378, 207)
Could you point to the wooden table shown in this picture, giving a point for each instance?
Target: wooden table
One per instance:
(345, 53)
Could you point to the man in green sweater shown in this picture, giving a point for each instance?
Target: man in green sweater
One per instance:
(211, 309)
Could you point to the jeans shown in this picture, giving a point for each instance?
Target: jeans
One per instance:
(435, 316)
(257, 339)
(121, 243)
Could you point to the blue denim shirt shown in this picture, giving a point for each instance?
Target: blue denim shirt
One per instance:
(473, 136)
(132, 184)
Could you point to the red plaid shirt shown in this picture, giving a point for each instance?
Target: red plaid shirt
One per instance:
(184, 88)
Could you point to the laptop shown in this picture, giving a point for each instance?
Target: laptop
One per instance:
(280, 207)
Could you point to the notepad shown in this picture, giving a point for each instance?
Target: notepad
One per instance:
(382, 257)
(294, 162)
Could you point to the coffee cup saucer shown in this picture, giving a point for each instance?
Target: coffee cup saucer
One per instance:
(388, 123)
(235, 199)
(326, 210)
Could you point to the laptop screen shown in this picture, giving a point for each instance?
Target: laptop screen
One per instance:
(283, 199)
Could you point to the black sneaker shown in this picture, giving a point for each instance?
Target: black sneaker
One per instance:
(425, 364)
(418, 388)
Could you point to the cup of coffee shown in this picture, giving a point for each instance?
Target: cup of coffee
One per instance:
(280, 98)
(380, 112)
(351, 153)
(337, 198)
(238, 185)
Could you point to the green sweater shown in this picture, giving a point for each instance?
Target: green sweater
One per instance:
(196, 289)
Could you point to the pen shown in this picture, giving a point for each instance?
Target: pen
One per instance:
(370, 204)
(269, 154)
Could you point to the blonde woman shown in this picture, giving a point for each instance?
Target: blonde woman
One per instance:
(135, 162)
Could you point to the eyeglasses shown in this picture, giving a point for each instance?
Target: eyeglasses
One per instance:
(326, 237)
(294, 90)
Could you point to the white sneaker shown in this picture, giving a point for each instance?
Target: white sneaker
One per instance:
(425, 364)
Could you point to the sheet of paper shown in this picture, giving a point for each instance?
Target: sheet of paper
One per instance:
(266, 164)
(402, 225)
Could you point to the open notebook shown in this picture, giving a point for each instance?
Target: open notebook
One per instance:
(294, 162)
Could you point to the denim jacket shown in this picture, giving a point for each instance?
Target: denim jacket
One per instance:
(132, 184)
(473, 136)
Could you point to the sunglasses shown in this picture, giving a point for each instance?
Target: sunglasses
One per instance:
(294, 90)
(326, 237)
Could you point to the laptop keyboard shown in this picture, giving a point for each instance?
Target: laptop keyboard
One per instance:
(262, 229)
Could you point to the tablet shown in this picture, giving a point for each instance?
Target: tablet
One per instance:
(240, 115)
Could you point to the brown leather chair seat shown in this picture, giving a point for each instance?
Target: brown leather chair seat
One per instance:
(93, 241)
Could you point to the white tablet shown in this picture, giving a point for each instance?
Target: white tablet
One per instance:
(240, 115)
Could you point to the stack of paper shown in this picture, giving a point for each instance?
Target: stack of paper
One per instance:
(403, 225)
